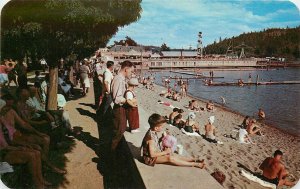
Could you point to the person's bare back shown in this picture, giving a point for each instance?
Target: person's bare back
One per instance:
(271, 168)
(274, 171)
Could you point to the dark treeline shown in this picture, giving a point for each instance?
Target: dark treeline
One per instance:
(269, 42)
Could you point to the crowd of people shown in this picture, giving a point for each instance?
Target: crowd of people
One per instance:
(28, 129)
(155, 153)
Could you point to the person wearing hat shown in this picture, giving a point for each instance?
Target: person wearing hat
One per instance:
(191, 125)
(132, 112)
(210, 130)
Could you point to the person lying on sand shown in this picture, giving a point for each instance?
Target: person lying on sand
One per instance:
(210, 106)
(153, 152)
(252, 129)
(176, 96)
(274, 171)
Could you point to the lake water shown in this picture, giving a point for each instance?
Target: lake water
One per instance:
(281, 103)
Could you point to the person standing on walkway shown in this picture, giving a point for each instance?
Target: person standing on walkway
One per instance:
(106, 89)
(118, 88)
(131, 106)
(98, 83)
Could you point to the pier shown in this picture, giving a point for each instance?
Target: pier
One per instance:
(197, 76)
(254, 83)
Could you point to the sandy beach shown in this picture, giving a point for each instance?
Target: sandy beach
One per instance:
(230, 156)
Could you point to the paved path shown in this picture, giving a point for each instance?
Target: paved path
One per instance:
(81, 161)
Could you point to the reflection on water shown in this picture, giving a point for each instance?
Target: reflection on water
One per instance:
(280, 102)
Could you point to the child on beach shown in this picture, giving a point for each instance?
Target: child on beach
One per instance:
(153, 153)
(132, 112)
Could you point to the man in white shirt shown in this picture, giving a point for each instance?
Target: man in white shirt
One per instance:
(107, 79)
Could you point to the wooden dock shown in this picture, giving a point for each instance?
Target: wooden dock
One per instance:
(196, 76)
(254, 83)
(199, 77)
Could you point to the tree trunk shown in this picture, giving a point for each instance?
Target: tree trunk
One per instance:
(52, 91)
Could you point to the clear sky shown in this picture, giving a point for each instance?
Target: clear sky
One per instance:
(177, 22)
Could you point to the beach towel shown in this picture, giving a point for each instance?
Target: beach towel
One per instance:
(254, 178)
(189, 134)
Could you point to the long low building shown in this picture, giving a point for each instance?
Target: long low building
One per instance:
(174, 59)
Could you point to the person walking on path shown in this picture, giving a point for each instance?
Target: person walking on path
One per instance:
(84, 71)
(118, 88)
(131, 106)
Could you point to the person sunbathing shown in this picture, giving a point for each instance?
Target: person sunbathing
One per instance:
(33, 138)
(274, 171)
(193, 105)
(173, 115)
(246, 122)
(178, 121)
(190, 124)
(243, 137)
(176, 96)
(210, 106)
(16, 155)
(153, 153)
(210, 130)
(252, 129)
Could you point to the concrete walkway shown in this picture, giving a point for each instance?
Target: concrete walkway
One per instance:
(81, 168)
(165, 176)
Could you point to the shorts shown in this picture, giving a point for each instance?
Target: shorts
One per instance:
(273, 181)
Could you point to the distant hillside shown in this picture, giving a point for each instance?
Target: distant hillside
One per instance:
(271, 42)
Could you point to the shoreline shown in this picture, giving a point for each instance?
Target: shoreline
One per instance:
(228, 109)
(225, 108)
(229, 156)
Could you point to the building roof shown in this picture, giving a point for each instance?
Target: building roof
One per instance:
(120, 48)
(155, 55)
(178, 53)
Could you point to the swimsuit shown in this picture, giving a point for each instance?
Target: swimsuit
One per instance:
(274, 181)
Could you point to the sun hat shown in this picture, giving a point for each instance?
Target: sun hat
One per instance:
(133, 82)
(211, 119)
(192, 115)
